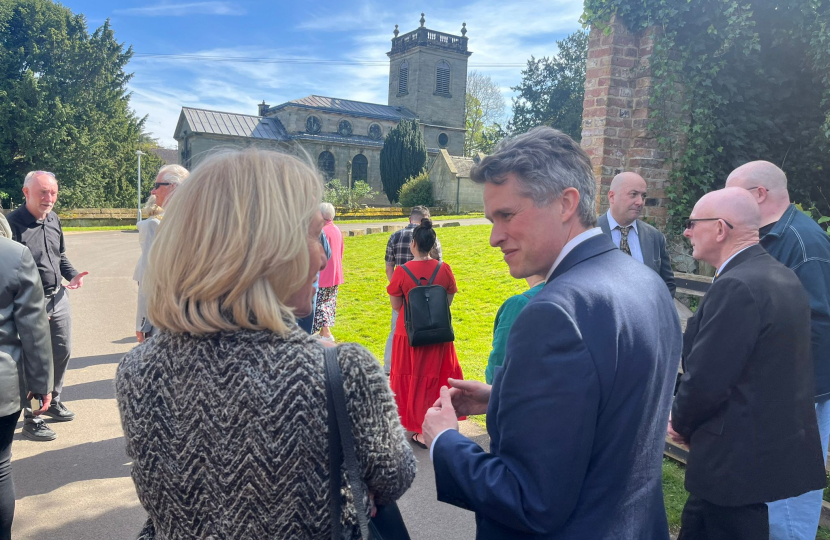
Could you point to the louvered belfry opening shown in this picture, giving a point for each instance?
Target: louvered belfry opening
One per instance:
(442, 78)
(403, 78)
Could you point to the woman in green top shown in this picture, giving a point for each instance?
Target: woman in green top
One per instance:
(507, 313)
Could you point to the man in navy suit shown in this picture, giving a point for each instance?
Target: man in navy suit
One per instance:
(576, 413)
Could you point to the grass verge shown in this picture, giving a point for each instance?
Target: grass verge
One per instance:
(94, 229)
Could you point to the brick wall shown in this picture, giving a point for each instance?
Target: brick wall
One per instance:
(615, 121)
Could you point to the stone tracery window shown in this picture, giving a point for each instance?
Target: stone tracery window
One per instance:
(344, 128)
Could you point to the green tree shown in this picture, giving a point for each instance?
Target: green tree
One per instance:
(417, 191)
(403, 156)
(552, 89)
(64, 106)
(483, 113)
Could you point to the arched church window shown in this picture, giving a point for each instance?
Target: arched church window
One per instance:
(442, 78)
(403, 78)
(360, 168)
(325, 162)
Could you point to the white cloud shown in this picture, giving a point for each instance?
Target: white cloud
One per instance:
(181, 10)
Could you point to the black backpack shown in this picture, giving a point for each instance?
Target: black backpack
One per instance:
(427, 312)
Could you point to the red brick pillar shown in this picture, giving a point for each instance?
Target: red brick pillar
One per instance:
(616, 116)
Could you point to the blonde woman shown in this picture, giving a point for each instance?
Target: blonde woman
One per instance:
(224, 410)
(168, 179)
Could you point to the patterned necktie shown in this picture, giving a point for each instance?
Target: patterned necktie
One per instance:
(624, 239)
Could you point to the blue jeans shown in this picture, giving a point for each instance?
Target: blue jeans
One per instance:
(797, 518)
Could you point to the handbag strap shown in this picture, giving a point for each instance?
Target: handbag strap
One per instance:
(418, 281)
(335, 459)
(334, 382)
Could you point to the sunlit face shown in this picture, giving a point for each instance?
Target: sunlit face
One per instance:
(627, 202)
(301, 300)
(162, 189)
(703, 234)
(41, 194)
(530, 237)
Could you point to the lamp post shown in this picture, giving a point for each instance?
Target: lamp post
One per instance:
(139, 153)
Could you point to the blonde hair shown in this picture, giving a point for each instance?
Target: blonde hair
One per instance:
(151, 208)
(234, 247)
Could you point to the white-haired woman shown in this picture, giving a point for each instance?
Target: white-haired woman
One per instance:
(168, 179)
(330, 278)
(224, 410)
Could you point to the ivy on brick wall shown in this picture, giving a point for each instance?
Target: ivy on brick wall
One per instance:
(736, 81)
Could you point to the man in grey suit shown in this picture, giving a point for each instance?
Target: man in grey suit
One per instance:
(633, 236)
(25, 357)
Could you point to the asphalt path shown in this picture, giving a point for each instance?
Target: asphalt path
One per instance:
(78, 487)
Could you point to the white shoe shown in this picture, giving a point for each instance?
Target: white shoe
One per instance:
(325, 338)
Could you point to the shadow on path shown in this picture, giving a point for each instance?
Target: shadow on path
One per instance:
(48, 471)
(87, 361)
(117, 523)
(104, 389)
(128, 339)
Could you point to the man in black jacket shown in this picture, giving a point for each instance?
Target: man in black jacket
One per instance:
(745, 401)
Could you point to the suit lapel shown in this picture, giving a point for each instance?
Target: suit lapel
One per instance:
(603, 224)
(596, 245)
(646, 245)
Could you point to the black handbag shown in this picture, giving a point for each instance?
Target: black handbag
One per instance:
(388, 523)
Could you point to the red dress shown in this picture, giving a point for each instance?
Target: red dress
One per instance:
(418, 373)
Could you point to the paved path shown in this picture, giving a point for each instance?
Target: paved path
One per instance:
(78, 487)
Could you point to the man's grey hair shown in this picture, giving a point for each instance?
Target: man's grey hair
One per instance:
(546, 162)
(175, 174)
(31, 174)
(327, 209)
(422, 211)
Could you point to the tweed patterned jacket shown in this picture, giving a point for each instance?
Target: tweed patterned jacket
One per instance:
(228, 435)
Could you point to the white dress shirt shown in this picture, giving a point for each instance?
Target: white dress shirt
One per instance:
(567, 248)
(729, 259)
(633, 237)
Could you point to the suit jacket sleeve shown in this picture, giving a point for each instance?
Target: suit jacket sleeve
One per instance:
(546, 415)
(728, 328)
(665, 265)
(33, 327)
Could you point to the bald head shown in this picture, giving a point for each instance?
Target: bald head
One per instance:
(768, 185)
(723, 223)
(626, 197)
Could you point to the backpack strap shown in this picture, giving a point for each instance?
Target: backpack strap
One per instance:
(416, 280)
(435, 273)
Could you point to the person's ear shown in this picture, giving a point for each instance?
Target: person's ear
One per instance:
(569, 201)
(762, 194)
(611, 195)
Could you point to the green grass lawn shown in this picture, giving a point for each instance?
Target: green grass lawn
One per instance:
(363, 313)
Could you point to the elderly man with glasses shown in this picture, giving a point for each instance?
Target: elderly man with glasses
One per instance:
(745, 401)
(37, 227)
(796, 241)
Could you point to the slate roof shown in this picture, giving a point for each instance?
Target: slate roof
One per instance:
(462, 165)
(346, 106)
(239, 125)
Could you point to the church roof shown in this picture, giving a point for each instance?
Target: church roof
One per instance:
(347, 106)
(239, 125)
(462, 165)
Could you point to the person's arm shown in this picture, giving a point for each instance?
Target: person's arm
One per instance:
(547, 411)
(449, 298)
(729, 328)
(390, 269)
(67, 270)
(32, 325)
(397, 302)
(814, 278)
(384, 455)
(665, 265)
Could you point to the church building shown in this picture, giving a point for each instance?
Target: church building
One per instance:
(427, 83)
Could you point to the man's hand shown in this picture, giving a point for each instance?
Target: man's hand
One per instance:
(77, 281)
(675, 436)
(468, 397)
(47, 400)
(139, 335)
(440, 417)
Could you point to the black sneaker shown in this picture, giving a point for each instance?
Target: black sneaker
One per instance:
(38, 431)
(59, 412)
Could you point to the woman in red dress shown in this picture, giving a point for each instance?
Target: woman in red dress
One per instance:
(418, 373)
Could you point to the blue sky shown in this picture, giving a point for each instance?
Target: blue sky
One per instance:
(300, 32)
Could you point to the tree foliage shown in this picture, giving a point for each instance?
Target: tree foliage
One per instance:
(64, 107)
(404, 155)
(483, 113)
(341, 197)
(417, 191)
(753, 79)
(552, 89)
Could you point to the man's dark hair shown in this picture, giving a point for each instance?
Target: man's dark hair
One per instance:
(424, 236)
(546, 162)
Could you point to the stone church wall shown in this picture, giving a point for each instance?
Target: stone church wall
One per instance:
(201, 146)
(447, 190)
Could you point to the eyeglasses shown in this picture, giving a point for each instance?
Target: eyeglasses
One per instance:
(690, 223)
(159, 184)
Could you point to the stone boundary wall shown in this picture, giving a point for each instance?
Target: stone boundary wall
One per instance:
(616, 115)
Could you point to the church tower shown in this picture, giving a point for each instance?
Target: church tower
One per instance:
(428, 76)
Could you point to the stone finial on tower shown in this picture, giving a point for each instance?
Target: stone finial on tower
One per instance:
(422, 20)
(396, 32)
(463, 29)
